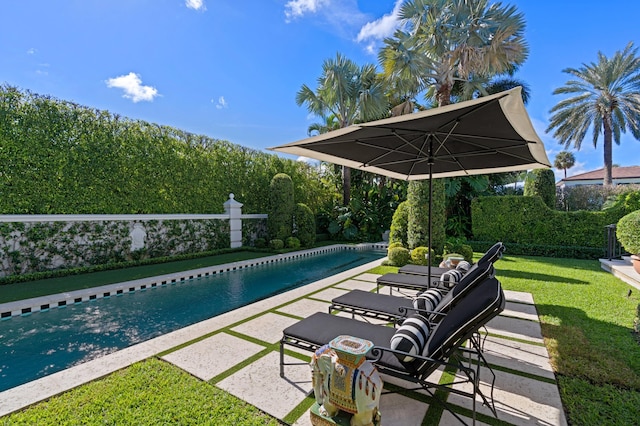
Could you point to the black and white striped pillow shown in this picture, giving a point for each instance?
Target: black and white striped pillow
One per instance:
(463, 266)
(450, 278)
(411, 337)
(427, 300)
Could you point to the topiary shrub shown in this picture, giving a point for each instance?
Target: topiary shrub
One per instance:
(628, 232)
(419, 256)
(542, 183)
(458, 247)
(418, 224)
(399, 222)
(281, 207)
(260, 243)
(304, 225)
(399, 256)
(276, 244)
(293, 243)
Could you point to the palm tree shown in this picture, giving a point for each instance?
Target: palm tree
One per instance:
(350, 94)
(447, 40)
(606, 99)
(564, 160)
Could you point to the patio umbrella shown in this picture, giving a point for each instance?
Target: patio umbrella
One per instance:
(491, 134)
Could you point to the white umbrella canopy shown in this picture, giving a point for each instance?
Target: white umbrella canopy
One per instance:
(491, 134)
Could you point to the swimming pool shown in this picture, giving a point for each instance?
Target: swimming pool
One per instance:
(42, 343)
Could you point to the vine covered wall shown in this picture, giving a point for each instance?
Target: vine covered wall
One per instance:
(42, 246)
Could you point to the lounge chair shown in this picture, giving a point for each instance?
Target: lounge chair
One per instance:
(491, 255)
(396, 308)
(443, 346)
(423, 282)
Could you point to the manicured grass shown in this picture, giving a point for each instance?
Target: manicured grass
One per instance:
(26, 290)
(151, 392)
(586, 318)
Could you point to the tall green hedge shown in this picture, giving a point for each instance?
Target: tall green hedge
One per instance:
(418, 206)
(58, 157)
(527, 221)
(281, 207)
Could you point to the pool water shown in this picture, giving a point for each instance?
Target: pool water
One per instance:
(43, 343)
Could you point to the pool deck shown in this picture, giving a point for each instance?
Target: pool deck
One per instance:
(238, 352)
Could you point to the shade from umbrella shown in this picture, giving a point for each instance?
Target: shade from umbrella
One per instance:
(486, 135)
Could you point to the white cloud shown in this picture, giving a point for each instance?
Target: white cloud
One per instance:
(381, 28)
(32, 51)
(195, 4)
(222, 103)
(133, 88)
(297, 8)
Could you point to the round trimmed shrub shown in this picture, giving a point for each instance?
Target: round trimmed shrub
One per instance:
(628, 232)
(464, 250)
(276, 244)
(419, 256)
(260, 243)
(293, 242)
(399, 256)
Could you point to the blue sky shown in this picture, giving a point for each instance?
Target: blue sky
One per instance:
(231, 69)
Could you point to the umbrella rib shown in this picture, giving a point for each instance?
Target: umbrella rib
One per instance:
(373, 162)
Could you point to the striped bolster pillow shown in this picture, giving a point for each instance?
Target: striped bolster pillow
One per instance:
(450, 278)
(463, 266)
(410, 337)
(427, 300)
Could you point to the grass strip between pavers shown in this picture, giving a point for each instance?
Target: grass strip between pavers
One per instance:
(300, 409)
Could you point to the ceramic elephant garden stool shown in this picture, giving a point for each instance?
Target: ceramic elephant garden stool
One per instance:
(343, 379)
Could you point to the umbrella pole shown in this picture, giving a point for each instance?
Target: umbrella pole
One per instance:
(430, 162)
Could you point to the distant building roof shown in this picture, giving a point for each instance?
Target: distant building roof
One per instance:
(619, 175)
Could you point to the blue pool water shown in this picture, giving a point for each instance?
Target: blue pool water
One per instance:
(42, 343)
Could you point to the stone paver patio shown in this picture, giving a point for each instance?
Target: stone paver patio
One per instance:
(240, 355)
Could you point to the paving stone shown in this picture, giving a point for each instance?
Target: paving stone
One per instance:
(532, 359)
(305, 307)
(329, 294)
(260, 384)
(367, 277)
(515, 328)
(396, 409)
(304, 420)
(449, 419)
(267, 327)
(212, 356)
(518, 296)
(521, 310)
(433, 378)
(357, 285)
(518, 400)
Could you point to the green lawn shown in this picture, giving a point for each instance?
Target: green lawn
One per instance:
(26, 290)
(586, 318)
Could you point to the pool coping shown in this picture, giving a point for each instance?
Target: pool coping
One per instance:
(60, 300)
(27, 394)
